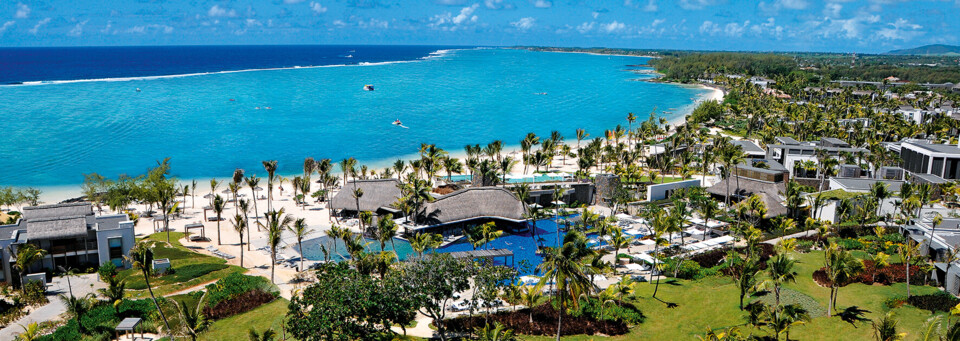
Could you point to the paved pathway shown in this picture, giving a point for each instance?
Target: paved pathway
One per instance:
(791, 236)
(82, 285)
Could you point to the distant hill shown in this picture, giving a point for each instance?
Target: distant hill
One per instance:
(927, 50)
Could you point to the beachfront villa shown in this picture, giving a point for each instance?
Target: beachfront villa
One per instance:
(72, 236)
(378, 196)
(449, 214)
(793, 154)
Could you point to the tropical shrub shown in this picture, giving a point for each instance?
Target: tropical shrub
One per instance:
(939, 301)
(895, 302)
(68, 332)
(239, 304)
(894, 273)
(234, 285)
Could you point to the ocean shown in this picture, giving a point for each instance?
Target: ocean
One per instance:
(115, 111)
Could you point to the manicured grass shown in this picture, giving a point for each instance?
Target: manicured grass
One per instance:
(837, 194)
(237, 327)
(712, 303)
(190, 268)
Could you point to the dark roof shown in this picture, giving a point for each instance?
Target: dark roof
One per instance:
(930, 178)
(786, 140)
(57, 227)
(936, 148)
(377, 193)
(749, 147)
(863, 185)
(473, 203)
(58, 210)
(769, 192)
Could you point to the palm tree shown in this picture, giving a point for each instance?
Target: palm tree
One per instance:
(31, 332)
(214, 184)
(141, 257)
(422, 242)
(882, 260)
(937, 220)
(708, 210)
(907, 251)
(245, 208)
(218, 205)
(386, 230)
(114, 291)
(240, 224)
(624, 287)
(253, 182)
(581, 135)
(275, 223)
(418, 192)
(236, 185)
(619, 241)
(841, 265)
(531, 297)
(564, 265)
(193, 320)
(77, 307)
(780, 271)
(266, 335)
(885, 329)
(271, 168)
(300, 230)
(27, 254)
(193, 194)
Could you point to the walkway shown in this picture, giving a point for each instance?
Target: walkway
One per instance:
(82, 285)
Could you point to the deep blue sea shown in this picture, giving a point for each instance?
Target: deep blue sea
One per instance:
(210, 122)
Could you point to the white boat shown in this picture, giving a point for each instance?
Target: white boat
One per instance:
(368, 87)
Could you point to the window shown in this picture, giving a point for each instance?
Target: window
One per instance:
(115, 246)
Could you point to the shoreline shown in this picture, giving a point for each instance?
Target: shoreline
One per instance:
(535, 49)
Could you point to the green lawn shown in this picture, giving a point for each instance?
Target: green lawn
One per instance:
(237, 327)
(190, 268)
(712, 303)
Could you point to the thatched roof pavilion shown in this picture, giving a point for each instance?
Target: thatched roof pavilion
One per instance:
(377, 194)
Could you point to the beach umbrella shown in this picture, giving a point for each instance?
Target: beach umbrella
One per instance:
(535, 206)
(558, 203)
(208, 195)
(258, 188)
(226, 191)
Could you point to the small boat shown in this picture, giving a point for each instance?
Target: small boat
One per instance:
(232, 100)
(138, 89)
(268, 108)
(348, 56)
(368, 87)
(399, 124)
(540, 93)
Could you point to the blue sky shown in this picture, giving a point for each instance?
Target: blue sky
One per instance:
(785, 25)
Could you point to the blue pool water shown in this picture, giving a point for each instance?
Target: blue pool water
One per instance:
(517, 180)
(523, 245)
(209, 124)
(312, 250)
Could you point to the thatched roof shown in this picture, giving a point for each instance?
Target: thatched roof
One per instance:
(768, 191)
(473, 203)
(377, 193)
(58, 210)
(57, 228)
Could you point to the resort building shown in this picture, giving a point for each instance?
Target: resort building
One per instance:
(794, 154)
(449, 214)
(750, 149)
(378, 196)
(766, 178)
(946, 238)
(863, 185)
(72, 236)
(938, 160)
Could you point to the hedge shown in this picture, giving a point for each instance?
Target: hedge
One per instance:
(234, 285)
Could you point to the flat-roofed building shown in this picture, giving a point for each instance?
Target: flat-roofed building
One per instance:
(72, 235)
(941, 160)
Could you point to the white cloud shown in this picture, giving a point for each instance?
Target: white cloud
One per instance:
(217, 11)
(448, 22)
(6, 25)
(696, 4)
(40, 24)
(586, 27)
(709, 27)
(152, 27)
(595, 14)
(769, 27)
(851, 28)
(651, 6)
(524, 23)
(498, 4)
(735, 30)
(899, 30)
(77, 29)
(317, 8)
(832, 9)
(613, 27)
(106, 29)
(23, 11)
(543, 4)
(373, 23)
(657, 22)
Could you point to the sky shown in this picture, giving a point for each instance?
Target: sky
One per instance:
(770, 25)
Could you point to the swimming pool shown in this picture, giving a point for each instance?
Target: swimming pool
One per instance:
(517, 179)
(523, 245)
(312, 250)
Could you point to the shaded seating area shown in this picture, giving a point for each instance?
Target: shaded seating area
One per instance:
(129, 325)
(507, 255)
(195, 237)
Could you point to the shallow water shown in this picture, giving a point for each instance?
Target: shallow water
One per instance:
(210, 124)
